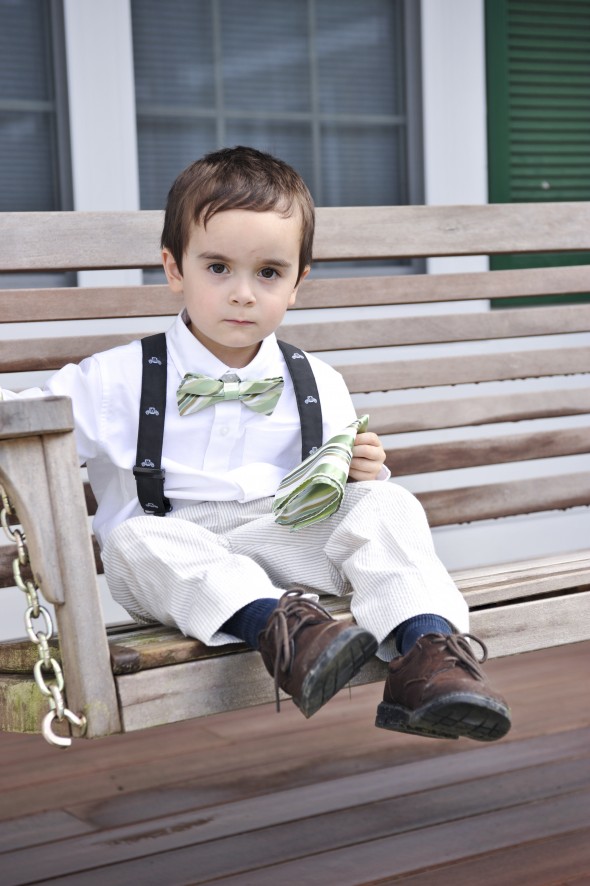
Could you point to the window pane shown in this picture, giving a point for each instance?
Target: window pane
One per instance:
(358, 54)
(362, 166)
(166, 147)
(290, 141)
(27, 173)
(265, 53)
(173, 49)
(24, 50)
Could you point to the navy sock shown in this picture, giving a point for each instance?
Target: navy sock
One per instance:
(411, 630)
(248, 621)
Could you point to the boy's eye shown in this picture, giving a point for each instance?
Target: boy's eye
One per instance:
(217, 268)
(268, 273)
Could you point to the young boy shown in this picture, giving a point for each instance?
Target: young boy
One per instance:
(236, 244)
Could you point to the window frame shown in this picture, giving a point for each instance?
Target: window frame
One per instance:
(411, 119)
(62, 157)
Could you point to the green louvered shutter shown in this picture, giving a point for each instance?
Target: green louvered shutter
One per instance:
(538, 72)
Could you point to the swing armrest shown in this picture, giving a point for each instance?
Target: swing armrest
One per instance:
(40, 474)
(29, 417)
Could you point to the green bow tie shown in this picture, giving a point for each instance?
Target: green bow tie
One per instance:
(197, 392)
(314, 489)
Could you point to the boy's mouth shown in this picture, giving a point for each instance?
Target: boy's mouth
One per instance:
(240, 322)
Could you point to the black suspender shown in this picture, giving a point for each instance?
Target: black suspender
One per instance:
(148, 471)
(307, 396)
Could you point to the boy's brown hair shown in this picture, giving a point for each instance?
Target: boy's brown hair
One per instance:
(235, 178)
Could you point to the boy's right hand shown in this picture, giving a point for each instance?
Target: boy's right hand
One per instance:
(368, 457)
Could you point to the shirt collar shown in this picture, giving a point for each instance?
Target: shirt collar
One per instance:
(188, 355)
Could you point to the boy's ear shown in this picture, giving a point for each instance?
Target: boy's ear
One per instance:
(304, 274)
(172, 271)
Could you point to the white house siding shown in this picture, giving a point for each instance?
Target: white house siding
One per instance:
(102, 113)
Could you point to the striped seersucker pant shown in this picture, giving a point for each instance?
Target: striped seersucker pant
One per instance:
(194, 568)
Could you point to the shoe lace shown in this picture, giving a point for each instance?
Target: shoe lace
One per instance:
(283, 625)
(461, 652)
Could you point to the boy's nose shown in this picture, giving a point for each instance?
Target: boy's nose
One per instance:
(242, 292)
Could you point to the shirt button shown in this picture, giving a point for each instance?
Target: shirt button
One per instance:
(224, 432)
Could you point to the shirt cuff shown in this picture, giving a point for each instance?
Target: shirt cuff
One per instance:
(384, 473)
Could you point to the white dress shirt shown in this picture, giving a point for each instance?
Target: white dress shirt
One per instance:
(225, 452)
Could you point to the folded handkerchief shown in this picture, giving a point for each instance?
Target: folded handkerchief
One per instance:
(313, 490)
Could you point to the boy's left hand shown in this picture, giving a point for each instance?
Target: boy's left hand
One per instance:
(368, 456)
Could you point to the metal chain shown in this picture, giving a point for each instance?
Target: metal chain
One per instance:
(47, 671)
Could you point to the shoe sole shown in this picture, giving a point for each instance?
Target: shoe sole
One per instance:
(335, 667)
(457, 715)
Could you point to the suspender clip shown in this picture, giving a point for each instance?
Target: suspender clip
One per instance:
(151, 473)
(150, 490)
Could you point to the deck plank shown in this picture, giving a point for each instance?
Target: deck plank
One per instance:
(378, 860)
(286, 827)
(252, 797)
(557, 861)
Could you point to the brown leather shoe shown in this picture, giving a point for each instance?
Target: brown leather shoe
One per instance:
(310, 654)
(438, 689)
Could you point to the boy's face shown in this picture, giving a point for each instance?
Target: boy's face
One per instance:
(239, 277)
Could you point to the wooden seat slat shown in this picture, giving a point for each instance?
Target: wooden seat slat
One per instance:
(401, 374)
(95, 302)
(486, 409)
(91, 303)
(495, 450)
(237, 681)
(132, 647)
(142, 647)
(24, 355)
(48, 241)
(65, 241)
(421, 288)
(392, 331)
(378, 232)
(526, 578)
(525, 626)
(52, 354)
(445, 507)
(340, 335)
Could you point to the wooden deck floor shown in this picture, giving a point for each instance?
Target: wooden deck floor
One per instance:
(258, 798)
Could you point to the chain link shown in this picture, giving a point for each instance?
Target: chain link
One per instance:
(47, 671)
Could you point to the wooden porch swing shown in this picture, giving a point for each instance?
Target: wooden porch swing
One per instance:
(488, 408)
